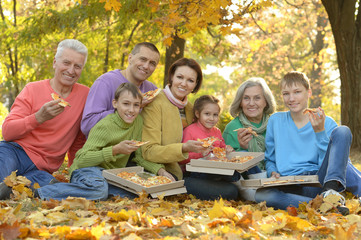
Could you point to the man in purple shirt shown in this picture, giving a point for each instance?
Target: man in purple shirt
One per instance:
(143, 60)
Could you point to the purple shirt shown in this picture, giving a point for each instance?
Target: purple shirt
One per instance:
(100, 97)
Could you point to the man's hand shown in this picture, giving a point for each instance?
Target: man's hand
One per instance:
(244, 136)
(163, 172)
(48, 111)
(229, 149)
(124, 147)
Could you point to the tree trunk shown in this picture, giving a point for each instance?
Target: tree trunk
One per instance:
(346, 28)
(172, 54)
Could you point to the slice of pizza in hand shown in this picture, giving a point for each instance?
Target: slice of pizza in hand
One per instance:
(219, 153)
(151, 94)
(207, 142)
(310, 110)
(62, 103)
(138, 143)
(249, 129)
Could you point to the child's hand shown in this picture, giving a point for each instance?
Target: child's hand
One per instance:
(207, 151)
(275, 174)
(163, 172)
(317, 120)
(229, 149)
(244, 136)
(193, 146)
(124, 147)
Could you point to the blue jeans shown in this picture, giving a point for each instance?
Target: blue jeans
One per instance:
(335, 166)
(211, 186)
(13, 157)
(86, 182)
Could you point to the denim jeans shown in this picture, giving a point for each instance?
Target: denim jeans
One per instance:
(13, 157)
(211, 186)
(335, 166)
(85, 182)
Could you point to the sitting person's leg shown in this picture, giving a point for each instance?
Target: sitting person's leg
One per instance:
(208, 189)
(276, 198)
(353, 179)
(85, 182)
(11, 159)
(332, 173)
(116, 191)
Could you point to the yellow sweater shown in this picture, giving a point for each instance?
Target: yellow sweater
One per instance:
(163, 129)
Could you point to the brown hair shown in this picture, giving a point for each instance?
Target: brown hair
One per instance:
(294, 77)
(130, 87)
(190, 63)
(200, 102)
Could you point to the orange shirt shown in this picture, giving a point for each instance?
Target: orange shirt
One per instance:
(46, 144)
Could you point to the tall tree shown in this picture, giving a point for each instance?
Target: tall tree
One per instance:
(345, 19)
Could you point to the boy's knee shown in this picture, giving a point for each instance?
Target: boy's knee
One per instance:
(342, 132)
(264, 195)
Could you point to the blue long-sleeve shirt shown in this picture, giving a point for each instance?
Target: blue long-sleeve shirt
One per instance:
(292, 151)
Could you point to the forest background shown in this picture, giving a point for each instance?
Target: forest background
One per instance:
(232, 41)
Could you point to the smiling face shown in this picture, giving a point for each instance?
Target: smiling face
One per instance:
(142, 65)
(253, 103)
(68, 67)
(295, 97)
(127, 106)
(209, 115)
(184, 81)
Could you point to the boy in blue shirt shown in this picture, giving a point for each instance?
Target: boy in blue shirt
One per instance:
(311, 143)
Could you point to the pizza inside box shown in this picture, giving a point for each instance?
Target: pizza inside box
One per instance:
(286, 180)
(227, 166)
(167, 189)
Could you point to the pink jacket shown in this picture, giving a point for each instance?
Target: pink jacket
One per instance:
(197, 130)
(46, 144)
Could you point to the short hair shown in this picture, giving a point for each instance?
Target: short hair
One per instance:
(149, 45)
(200, 102)
(130, 87)
(294, 77)
(190, 63)
(235, 107)
(74, 45)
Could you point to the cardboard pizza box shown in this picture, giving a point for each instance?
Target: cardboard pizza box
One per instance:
(164, 189)
(286, 180)
(220, 171)
(240, 167)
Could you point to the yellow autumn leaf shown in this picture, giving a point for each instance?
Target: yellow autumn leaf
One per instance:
(61, 231)
(123, 215)
(216, 211)
(100, 230)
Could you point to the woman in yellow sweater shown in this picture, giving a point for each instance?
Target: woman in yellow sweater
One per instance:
(165, 118)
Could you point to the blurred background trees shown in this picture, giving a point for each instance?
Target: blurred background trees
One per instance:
(232, 40)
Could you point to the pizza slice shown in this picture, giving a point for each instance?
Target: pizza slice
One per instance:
(310, 110)
(151, 94)
(62, 103)
(207, 142)
(138, 143)
(249, 129)
(219, 153)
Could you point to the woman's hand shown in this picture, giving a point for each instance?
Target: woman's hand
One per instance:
(229, 149)
(317, 120)
(244, 137)
(163, 172)
(193, 146)
(275, 174)
(124, 147)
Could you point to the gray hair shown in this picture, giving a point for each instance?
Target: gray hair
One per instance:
(74, 45)
(235, 108)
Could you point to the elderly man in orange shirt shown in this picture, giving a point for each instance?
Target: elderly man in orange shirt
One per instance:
(39, 131)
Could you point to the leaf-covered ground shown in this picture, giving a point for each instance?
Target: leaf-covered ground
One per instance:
(175, 217)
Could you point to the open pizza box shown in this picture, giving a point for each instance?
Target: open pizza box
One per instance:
(167, 189)
(311, 180)
(212, 165)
